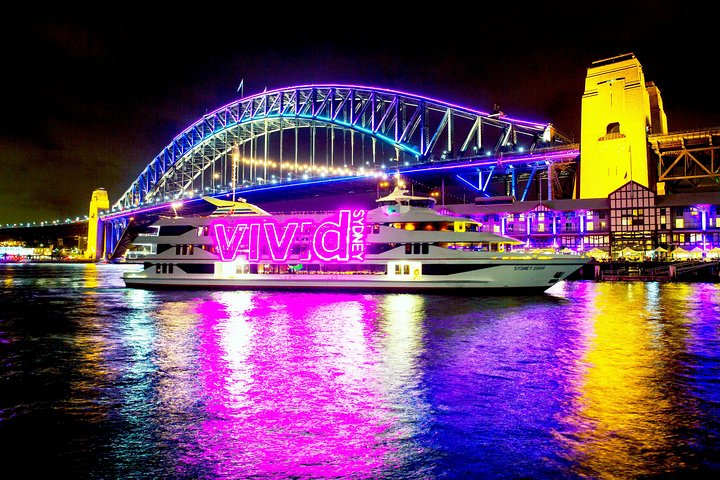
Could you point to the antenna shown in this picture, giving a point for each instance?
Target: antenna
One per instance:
(235, 159)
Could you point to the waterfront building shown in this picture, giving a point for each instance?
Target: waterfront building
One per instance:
(632, 223)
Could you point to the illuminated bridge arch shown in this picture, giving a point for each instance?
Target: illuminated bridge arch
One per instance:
(297, 133)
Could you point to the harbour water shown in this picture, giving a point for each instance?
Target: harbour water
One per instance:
(588, 380)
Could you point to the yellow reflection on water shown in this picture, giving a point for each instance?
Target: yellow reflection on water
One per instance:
(625, 418)
(403, 326)
(91, 343)
(90, 278)
(8, 277)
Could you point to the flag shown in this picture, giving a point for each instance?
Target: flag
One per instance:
(240, 87)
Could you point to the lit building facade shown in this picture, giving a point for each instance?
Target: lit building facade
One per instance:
(631, 223)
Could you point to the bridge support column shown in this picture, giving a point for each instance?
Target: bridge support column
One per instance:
(98, 202)
(619, 109)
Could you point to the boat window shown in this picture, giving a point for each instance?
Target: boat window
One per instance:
(425, 248)
(175, 230)
(376, 228)
(408, 248)
(416, 248)
(397, 270)
(406, 269)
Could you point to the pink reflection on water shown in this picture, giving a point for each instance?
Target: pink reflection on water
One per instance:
(291, 387)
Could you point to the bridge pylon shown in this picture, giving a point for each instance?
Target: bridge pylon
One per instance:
(98, 202)
(619, 109)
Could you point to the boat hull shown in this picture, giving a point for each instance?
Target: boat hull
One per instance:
(499, 277)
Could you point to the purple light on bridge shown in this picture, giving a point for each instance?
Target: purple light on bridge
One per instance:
(494, 162)
(361, 87)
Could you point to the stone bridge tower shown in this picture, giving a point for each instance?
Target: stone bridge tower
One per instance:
(619, 110)
(98, 202)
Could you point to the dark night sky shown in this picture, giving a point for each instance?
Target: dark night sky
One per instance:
(90, 97)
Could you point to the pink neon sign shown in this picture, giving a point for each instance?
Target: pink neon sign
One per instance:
(338, 238)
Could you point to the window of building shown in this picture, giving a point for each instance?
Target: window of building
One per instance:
(613, 127)
(679, 223)
(590, 226)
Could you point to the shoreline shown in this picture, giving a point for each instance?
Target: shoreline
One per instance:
(682, 271)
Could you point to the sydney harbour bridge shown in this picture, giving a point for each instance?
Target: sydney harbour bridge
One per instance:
(332, 131)
(303, 138)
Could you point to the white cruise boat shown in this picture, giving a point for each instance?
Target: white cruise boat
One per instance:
(402, 245)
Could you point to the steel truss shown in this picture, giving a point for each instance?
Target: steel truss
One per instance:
(687, 159)
(546, 178)
(310, 131)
